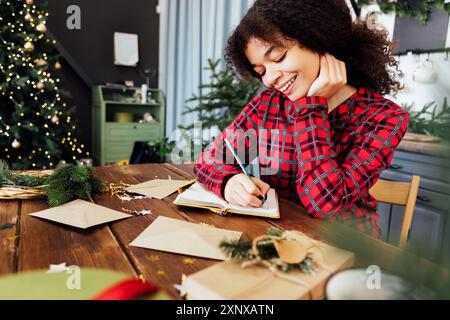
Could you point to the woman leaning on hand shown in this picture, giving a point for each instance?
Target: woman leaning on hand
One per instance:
(325, 78)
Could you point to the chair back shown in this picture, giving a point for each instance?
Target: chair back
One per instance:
(399, 193)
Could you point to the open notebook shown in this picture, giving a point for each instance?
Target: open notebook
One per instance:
(200, 197)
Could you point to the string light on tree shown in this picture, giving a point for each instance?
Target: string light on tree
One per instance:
(30, 97)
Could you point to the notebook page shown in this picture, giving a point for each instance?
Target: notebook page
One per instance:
(269, 209)
(197, 194)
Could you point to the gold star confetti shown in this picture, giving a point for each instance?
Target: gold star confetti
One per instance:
(12, 238)
(206, 225)
(190, 261)
(161, 273)
(154, 258)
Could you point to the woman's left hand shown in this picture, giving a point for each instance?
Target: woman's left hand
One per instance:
(332, 77)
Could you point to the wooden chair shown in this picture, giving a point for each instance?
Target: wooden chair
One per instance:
(399, 193)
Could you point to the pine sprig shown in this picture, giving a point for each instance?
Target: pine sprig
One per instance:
(9, 178)
(65, 184)
(274, 232)
(5, 174)
(237, 250)
(71, 182)
(24, 180)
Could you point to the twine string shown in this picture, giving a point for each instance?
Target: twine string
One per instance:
(317, 258)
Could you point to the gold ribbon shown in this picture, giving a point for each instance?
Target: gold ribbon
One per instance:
(220, 212)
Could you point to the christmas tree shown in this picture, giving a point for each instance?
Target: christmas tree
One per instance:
(36, 126)
(222, 99)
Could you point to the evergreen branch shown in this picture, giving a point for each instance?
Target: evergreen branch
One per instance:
(224, 98)
(71, 182)
(272, 231)
(5, 174)
(237, 250)
(9, 178)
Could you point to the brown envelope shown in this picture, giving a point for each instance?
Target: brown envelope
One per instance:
(157, 188)
(81, 214)
(177, 236)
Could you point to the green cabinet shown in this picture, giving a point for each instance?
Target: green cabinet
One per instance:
(119, 121)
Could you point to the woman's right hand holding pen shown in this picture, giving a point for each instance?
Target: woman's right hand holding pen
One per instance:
(240, 190)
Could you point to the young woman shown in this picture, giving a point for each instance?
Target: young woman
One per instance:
(323, 110)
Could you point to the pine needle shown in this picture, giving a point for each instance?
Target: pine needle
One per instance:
(237, 250)
(70, 183)
(9, 178)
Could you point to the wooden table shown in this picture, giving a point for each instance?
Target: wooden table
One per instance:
(36, 243)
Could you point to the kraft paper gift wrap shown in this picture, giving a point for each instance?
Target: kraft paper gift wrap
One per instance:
(229, 281)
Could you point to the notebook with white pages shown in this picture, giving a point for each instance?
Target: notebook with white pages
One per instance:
(199, 196)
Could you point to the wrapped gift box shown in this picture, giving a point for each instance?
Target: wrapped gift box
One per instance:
(229, 281)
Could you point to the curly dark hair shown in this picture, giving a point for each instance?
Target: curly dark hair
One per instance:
(323, 26)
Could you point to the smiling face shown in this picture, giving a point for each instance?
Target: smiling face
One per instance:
(290, 69)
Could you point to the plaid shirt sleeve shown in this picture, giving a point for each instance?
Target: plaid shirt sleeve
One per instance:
(325, 186)
(215, 165)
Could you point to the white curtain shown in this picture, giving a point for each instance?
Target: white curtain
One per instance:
(191, 32)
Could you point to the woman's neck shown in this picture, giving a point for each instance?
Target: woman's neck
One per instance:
(343, 94)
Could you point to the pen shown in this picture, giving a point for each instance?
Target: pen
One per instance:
(263, 199)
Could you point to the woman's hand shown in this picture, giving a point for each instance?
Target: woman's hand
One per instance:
(332, 77)
(240, 190)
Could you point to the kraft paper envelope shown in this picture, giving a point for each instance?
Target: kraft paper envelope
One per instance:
(177, 236)
(157, 188)
(81, 214)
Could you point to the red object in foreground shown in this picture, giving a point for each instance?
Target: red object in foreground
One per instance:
(127, 290)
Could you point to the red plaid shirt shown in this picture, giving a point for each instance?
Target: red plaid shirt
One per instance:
(325, 162)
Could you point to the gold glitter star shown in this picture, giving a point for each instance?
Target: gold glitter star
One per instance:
(161, 273)
(189, 261)
(154, 258)
(206, 225)
(12, 238)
